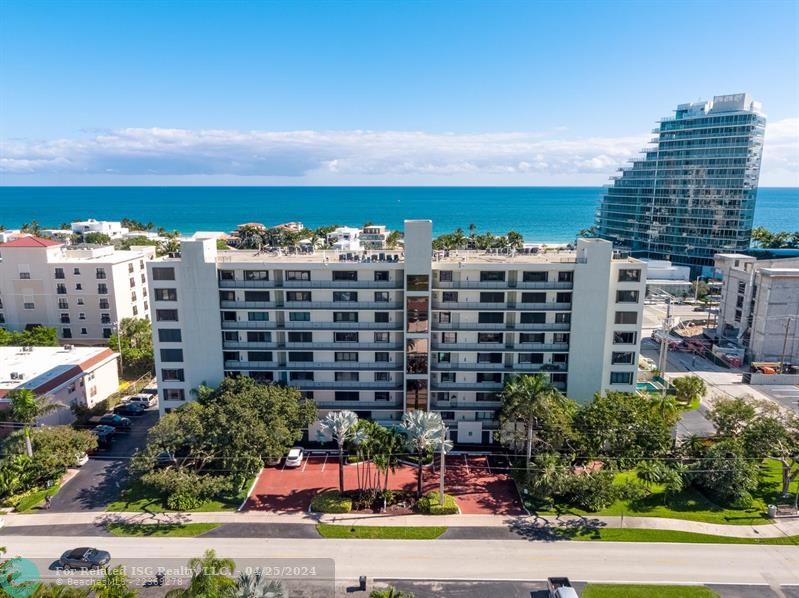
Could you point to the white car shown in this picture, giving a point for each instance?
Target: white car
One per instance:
(294, 458)
(144, 400)
(81, 460)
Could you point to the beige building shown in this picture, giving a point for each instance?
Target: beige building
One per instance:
(390, 331)
(81, 291)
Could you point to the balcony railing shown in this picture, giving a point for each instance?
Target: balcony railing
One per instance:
(361, 405)
(248, 345)
(517, 306)
(344, 325)
(333, 385)
(342, 284)
(478, 386)
(499, 347)
(249, 304)
(343, 365)
(334, 346)
(499, 326)
(234, 325)
(247, 284)
(344, 305)
(499, 285)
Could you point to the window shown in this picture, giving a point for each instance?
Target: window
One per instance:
(259, 356)
(346, 376)
(491, 276)
(256, 296)
(346, 356)
(61, 289)
(59, 273)
(345, 316)
(533, 317)
(488, 377)
(487, 317)
(449, 297)
(162, 273)
(298, 275)
(741, 288)
(345, 337)
(261, 337)
(80, 301)
(563, 298)
(66, 332)
(346, 395)
(624, 338)
(449, 337)
(169, 335)
(256, 275)
(417, 282)
(563, 318)
(627, 296)
(301, 376)
(29, 305)
(626, 275)
(489, 337)
(381, 317)
(102, 289)
(489, 358)
(227, 295)
(381, 296)
(166, 315)
(166, 294)
(257, 316)
(444, 317)
(65, 318)
(172, 375)
(345, 275)
(445, 357)
(104, 318)
(381, 275)
(228, 316)
(417, 314)
(84, 332)
(106, 333)
(104, 304)
(174, 394)
(382, 337)
(622, 357)
(78, 286)
(345, 296)
(447, 377)
(626, 317)
(300, 337)
(298, 295)
(171, 354)
(560, 337)
(24, 275)
(76, 271)
(299, 316)
(382, 395)
(82, 316)
(445, 275)
(132, 282)
(381, 356)
(621, 377)
(382, 377)
(130, 268)
(63, 304)
(223, 275)
(492, 297)
(534, 297)
(535, 276)
(531, 358)
(304, 356)
(536, 337)
(565, 276)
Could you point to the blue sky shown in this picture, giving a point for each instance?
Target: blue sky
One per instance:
(375, 92)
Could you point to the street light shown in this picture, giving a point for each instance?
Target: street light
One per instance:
(118, 330)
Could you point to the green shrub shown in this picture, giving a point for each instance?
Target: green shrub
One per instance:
(331, 502)
(430, 505)
(630, 490)
(591, 491)
(183, 501)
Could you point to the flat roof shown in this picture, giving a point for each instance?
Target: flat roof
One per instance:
(44, 369)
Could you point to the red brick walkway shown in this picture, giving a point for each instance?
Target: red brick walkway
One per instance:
(478, 489)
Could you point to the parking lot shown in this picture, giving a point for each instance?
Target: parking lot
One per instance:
(479, 483)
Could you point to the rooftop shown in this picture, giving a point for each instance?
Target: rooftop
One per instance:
(43, 369)
(30, 242)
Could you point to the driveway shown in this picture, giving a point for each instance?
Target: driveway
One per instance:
(480, 485)
(101, 479)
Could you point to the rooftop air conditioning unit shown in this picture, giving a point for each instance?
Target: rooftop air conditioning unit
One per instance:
(14, 375)
(67, 347)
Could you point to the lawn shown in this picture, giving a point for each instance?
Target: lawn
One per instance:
(368, 532)
(602, 590)
(137, 498)
(173, 530)
(658, 535)
(31, 501)
(691, 504)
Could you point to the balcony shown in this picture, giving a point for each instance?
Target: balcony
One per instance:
(499, 326)
(249, 304)
(476, 305)
(247, 345)
(458, 405)
(361, 405)
(333, 385)
(343, 365)
(469, 366)
(247, 284)
(234, 325)
(252, 365)
(343, 325)
(344, 305)
(476, 386)
(500, 285)
(342, 284)
(334, 346)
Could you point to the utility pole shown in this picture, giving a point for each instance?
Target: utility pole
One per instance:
(664, 340)
(443, 466)
(119, 349)
(785, 344)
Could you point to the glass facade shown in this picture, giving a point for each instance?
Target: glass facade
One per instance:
(693, 194)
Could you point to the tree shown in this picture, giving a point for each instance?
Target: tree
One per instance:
(650, 472)
(390, 592)
(114, 584)
(32, 228)
(731, 415)
(766, 239)
(26, 408)
(472, 230)
(726, 473)
(134, 339)
(257, 585)
(774, 433)
(37, 336)
(96, 239)
(210, 578)
(665, 406)
(59, 591)
(533, 403)
(222, 245)
(689, 389)
(423, 430)
(341, 426)
(393, 239)
(700, 289)
(515, 239)
(587, 233)
(55, 448)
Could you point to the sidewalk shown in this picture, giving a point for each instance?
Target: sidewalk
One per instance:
(783, 527)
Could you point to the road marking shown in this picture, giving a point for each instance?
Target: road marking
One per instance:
(325, 462)
(466, 461)
(488, 464)
(304, 465)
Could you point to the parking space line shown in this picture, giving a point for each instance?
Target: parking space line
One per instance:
(488, 464)
(324, 463)
(466, 461)
(304, 465)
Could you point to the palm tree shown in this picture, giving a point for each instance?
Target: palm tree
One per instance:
(59, 591)
(26, 408)
(650, 473)
(390, 592)
(472, 229)
(114, 584)
(341, 427)
(209, 578)
(390, 444)
(665, 406)
(257, 585)
(689, 388)
(424, 432)
(526, 399)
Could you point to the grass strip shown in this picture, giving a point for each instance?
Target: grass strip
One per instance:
(602, 590)
(369, 532)
(660, 535)
(165, 530)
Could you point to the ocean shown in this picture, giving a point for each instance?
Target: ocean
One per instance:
(544, 214)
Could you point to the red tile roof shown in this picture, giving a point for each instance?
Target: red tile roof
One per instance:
(69, 374)
(31, 242)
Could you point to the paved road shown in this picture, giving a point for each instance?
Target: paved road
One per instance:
(101, 479)
(464, 559)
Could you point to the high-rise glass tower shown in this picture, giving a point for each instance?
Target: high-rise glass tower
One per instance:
(693, 193)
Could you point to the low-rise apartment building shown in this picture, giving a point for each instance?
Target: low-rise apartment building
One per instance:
(394, 331)
(81, 291)
(759, 306)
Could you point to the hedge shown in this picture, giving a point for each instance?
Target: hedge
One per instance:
(430, 505)
(331, 502)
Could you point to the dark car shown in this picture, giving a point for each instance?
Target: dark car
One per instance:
(104, 434)
(84, 558)
(132, 409)
(114, 420)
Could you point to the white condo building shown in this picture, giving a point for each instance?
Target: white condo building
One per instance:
(80, 291)
(384, 332)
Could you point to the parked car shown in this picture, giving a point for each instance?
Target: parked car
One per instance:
(144, 399)
(81, 460)
(560, 587)
(84, 558)
(294, 458)
(115, 421)
(131, 409)
(104, 434)
(164, 459)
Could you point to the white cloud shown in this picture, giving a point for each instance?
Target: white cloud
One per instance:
(358, 156)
